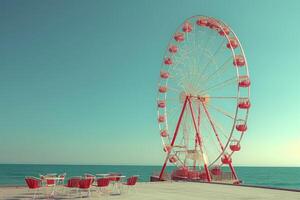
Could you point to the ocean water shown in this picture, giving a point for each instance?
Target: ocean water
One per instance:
(280, 177)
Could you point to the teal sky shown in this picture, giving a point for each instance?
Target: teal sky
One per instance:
(78, 78)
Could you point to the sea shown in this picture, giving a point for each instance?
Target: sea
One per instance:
(278, 177)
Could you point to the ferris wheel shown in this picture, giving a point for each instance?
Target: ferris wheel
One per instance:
(203, 97)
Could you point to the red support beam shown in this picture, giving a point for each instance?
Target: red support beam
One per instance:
(199, 117)
(218, 138)
(233, 171)
(213, 126)
(174, 136)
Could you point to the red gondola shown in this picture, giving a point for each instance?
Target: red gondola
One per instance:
(173, 49)
(244, 104)
(168, 61)
(216, 171)
(161, 103)
(233, 43)
(187, 27)
(235, 146)
(179, 37)
(244, 81)
(224, 32)
(226, 159)
(163, 89)
(161, 119)
(202, 22)
(172, 159)
(213, 24)
(164, 74)
(167, 148)
(241, 127)
(239, 61)
(164, 133)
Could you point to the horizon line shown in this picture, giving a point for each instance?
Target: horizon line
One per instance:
(154, 165)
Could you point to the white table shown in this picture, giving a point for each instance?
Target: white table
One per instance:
(116, 184)
(51, 174)
(102, 175)
(56, 179)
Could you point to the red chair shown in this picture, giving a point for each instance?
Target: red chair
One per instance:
(50, 182)
(103, 183)
(73, 184)
(131, 181)
(85, 185)
(33, 183)
(90, 176)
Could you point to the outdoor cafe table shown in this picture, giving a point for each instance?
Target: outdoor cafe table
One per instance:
(116, 184)
(103, 175)
(51, 174)
(56, 179)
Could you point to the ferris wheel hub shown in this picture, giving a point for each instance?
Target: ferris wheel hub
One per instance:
(202, 98)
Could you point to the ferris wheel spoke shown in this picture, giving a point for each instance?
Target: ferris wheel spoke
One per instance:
(222, 111)
(222, 97)
(179, 57)
(210, 50)
(177, 65)
(172, 108)
(195, 37)
(177, 74)
(212, 57)
(188, 70)
(213, 126)
(210, 143)
(183, 81)
(180, 86)
(212, 139)
(221, 68)
(220, 128)
(173, 89)
(172, 113)
(220, 85)
(205, 46)
(185, 51)
(173, 99)
(183, 55)
(214, 78)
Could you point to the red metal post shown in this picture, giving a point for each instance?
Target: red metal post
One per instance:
(174, 136)
(213, 126)
(222, 147)
(233, 171)
(199, 116)
(163, 168)
(199, 140)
